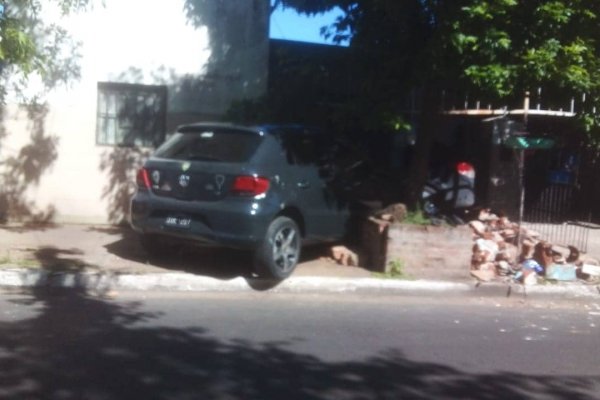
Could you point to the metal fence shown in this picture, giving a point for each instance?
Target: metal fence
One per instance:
(563, 211)
(556, 218)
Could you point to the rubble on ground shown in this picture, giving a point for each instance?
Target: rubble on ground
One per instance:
(373, 237)
(344, 256)
(503, 249)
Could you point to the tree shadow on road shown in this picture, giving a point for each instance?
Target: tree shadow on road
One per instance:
(53, 259)
(67, 344)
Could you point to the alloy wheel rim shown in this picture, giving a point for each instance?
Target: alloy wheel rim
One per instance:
(285, 248)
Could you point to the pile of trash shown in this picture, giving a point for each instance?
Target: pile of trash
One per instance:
(503, 249)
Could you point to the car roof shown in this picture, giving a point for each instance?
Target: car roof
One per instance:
(288, 128)
(211, 125)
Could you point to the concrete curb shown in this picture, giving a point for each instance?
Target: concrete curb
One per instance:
(103, 281)
(190, 282)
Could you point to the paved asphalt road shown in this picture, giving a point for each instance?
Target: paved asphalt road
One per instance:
(146, 345)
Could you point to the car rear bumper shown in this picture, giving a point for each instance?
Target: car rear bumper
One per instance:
(236, 222)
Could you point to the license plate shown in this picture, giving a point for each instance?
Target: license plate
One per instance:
(178, 222)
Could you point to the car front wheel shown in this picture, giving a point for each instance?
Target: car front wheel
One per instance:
(279, 252)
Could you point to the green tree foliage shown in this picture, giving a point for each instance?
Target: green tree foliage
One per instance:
(32, 45)
(507, 46)
(495, 49)
(500, 48)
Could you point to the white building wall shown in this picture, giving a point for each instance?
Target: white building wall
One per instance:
(207, 53)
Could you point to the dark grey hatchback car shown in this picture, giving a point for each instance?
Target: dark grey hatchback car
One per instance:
(267, 189)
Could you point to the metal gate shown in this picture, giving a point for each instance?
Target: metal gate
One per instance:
(555, 216)
(564, 196)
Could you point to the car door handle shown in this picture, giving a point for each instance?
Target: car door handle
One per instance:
(303, 184)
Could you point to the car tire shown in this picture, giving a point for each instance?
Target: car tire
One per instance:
(427, 201)
(155, 246)
(279, 252)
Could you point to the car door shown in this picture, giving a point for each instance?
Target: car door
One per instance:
(325, 213)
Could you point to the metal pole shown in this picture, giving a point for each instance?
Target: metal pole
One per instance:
(522, 173)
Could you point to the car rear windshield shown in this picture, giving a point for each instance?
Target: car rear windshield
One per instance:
(218, 145)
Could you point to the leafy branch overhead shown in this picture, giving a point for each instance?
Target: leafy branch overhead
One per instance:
(498, 48)
(31, 44)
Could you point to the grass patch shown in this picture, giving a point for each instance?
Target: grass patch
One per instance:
(395, 271)
(29, 263)
(8, 261)
(416, 218)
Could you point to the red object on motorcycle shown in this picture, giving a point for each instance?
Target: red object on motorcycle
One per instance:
(465, 169)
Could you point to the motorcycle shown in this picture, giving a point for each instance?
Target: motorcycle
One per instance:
(450, 194)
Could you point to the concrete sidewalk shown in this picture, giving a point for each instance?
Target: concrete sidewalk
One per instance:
(116, 250)
(105, 258)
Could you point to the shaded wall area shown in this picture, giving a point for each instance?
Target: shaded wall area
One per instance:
(120, 166)
(22, 169)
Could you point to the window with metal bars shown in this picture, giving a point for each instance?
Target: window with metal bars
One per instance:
(131, 114)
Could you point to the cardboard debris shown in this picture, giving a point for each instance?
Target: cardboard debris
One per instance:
(484, 276)
(527, 249)
(574, 255)
(530, 278)
(561, 272)
(585, 259)
(593, 270)
(486, 215)
(344, 256)
(393, 213)
(504, 268)
(496, 254)
(542, 253)
(382, 224)
(488, 246)
(508, 252)
(478, 227)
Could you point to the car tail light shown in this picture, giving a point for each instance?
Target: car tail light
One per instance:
(142, 179)
(250, 185)
(465, 169)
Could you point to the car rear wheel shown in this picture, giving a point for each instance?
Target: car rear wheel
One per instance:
(278, 254)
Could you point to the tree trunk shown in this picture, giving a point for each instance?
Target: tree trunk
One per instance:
(428, 123)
